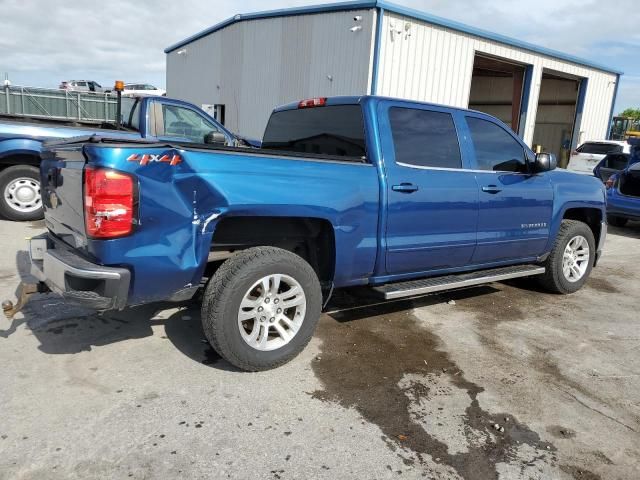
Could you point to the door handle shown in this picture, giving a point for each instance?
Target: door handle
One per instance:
(491, 189)
(405, 188)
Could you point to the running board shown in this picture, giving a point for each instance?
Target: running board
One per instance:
(450, 282)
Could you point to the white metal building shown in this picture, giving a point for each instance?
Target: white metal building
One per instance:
(243, 67)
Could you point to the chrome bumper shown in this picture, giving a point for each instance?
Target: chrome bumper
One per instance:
(76, 279)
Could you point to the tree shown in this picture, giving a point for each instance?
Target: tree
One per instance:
(631, 113)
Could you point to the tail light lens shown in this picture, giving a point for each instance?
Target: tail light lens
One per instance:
(109, 202)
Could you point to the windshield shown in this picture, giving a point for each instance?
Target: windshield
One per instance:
(336, 130)
(599, 148)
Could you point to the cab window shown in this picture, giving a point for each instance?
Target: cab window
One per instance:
(595, 148)
(424, 138)
(615, 161)
(495, 148)
(180, 122)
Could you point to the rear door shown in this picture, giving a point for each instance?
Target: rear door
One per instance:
(613, 163)
(515, 207)
(432, 200)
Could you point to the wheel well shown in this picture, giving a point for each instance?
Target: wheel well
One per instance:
(311, 238)
(590, 216)
(20, 159)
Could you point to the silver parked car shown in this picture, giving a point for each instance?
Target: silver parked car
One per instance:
(82, 86)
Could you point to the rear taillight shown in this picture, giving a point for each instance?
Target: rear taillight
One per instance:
(313, 102)
(109, 203)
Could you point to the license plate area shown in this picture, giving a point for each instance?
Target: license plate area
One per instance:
(37, 248)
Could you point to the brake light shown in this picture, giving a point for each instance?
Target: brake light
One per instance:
(313, 102)
(109, 200)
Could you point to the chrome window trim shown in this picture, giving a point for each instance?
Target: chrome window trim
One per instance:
(469, 170)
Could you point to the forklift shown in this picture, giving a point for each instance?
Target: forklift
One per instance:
(623, 128)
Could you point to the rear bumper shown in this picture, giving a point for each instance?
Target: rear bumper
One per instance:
(76, 279)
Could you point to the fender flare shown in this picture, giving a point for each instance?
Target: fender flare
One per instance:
(22, 147)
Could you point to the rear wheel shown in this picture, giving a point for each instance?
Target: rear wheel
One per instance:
(261, 308)
(20, 190)
(617, 221)
(571, 260)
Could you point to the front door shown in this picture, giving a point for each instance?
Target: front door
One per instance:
(515, 207)
(432, 202)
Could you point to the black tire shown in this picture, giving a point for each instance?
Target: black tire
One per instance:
(8, 175)
(225, 292)
(554, 279)
(617, 221)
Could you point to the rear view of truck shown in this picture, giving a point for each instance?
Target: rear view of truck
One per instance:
(91, 195)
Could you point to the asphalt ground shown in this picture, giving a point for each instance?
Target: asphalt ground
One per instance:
(501, 381)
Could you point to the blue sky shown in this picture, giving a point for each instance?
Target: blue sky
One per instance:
(44, 42)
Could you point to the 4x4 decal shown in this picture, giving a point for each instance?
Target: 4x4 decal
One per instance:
(146, 158)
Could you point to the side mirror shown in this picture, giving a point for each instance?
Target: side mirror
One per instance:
(216, 138)
(545, 162)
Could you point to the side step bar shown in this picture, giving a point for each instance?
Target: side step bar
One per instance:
(451, 282)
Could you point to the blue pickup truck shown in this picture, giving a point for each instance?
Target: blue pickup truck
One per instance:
(405, 197)
(21, 140)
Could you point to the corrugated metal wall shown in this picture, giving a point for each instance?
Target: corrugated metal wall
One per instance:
(434, 64)
(255, 65)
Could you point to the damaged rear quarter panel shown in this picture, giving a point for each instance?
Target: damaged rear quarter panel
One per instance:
(181, 205)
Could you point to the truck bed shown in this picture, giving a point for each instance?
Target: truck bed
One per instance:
(179, 203)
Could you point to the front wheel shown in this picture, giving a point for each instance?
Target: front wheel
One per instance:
(20, 190)
(571, 260)
(261, 308)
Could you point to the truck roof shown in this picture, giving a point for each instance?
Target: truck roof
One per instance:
(358, 99)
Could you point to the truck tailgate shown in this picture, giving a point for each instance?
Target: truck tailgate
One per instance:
(61, 171)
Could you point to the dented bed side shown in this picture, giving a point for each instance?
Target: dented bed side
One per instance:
(184, 199)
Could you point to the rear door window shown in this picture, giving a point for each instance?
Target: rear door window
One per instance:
(424, 138)
(599, 148)
(495, 148)
(336, 130)
(616, 161)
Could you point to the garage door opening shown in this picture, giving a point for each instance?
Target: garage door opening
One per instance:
(497, 88)
(558, 107)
